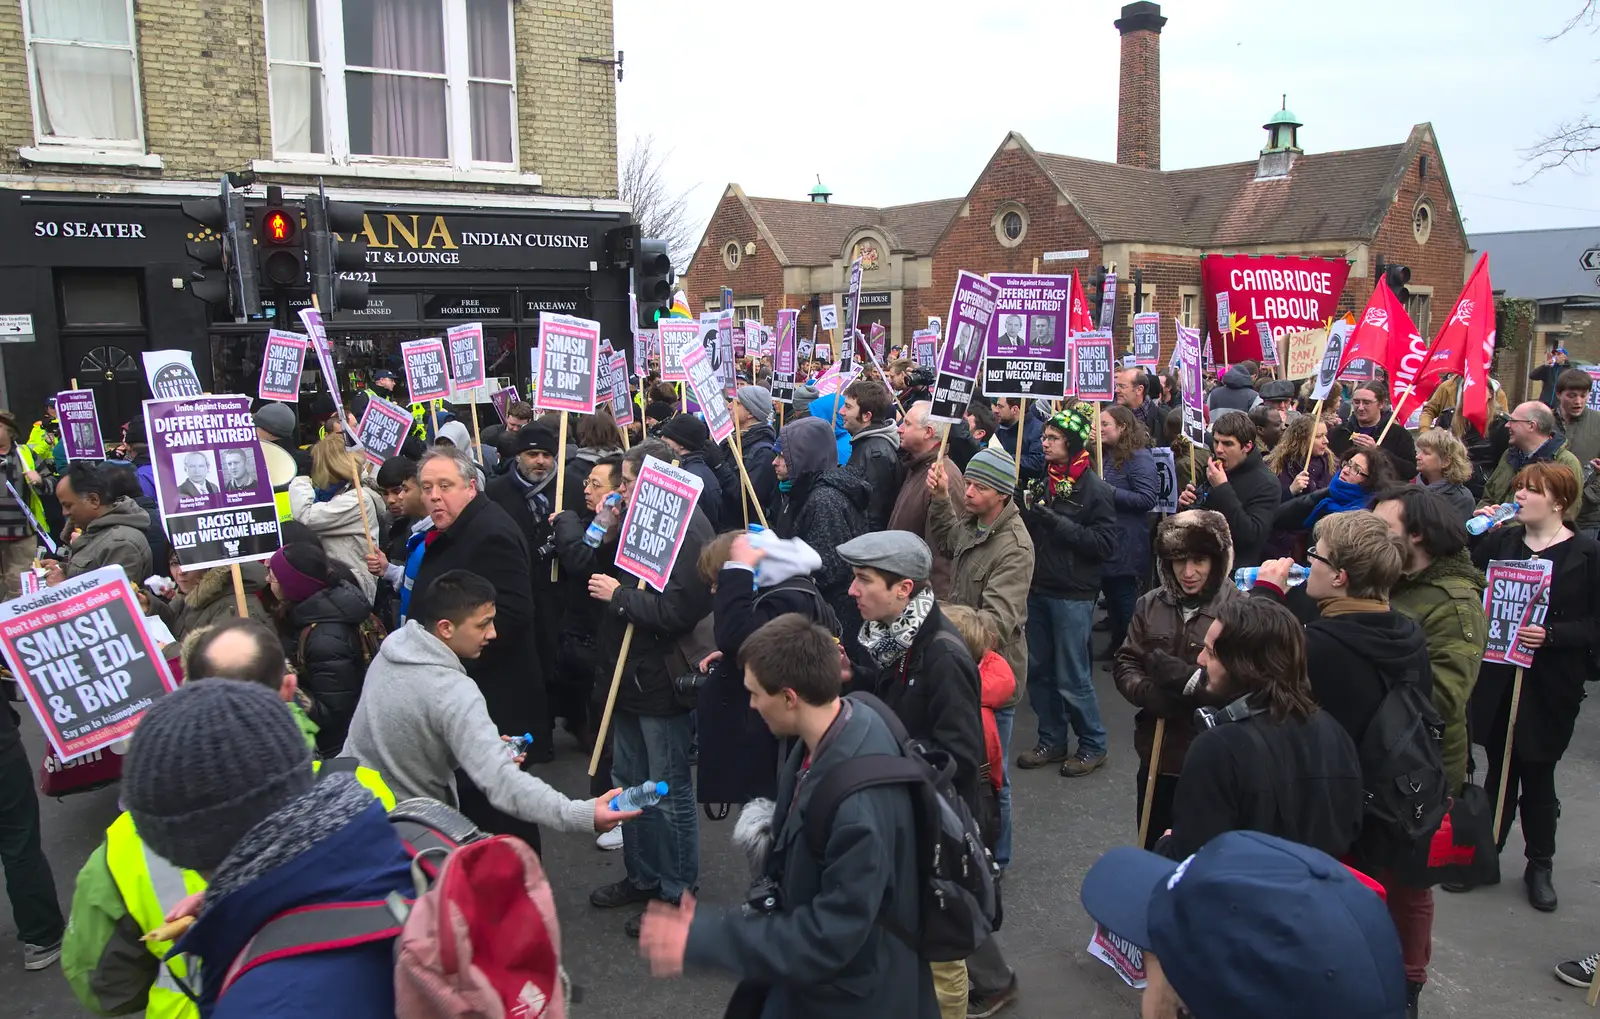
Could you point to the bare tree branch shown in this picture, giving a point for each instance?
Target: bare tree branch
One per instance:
(659, 211)
(1574, 141)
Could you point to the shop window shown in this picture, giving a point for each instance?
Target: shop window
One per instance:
(83, 70)
(429, 80)
(100, 300)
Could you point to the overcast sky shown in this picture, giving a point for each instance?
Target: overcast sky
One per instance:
(897, 101)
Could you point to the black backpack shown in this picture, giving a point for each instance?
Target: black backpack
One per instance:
(955, 872)
(821, 612)
(1402, 765)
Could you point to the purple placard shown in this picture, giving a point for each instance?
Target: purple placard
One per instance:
(311, 318)
(1269, 346)
(383, 429)
(1191, 382)
(752, 336)
(785, 357)
(620, 395)
(925, 347)
(211, 480)
(80, 426)
(1026, 345)
(727, 364)
(972, 307)
(283, 361)
(853, 298)
(501, 399)
(465, 344)
(1096, 370)
(877, 337)
(1147, 339)
(703, 380)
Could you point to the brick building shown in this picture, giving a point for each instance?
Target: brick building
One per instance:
(1387, 204)
(478, 135)
(1557, 272)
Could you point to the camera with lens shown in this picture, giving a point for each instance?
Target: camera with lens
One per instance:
(547, 551)
(764, 897)
(686, 687)
(920, 377)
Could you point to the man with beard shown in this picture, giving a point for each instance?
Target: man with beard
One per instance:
(919, 445)
(527, 492)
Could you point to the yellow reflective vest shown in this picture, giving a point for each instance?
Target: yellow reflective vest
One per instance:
(151, 887)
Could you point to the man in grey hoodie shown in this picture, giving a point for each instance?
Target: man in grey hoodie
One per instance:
(420, 717)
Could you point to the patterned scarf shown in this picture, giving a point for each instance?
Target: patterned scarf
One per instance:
(887, 642)
(1061, 479)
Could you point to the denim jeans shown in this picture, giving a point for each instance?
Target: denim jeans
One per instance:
(1060, 684)
(661, 847)
(1004, 720)
(1122, 594)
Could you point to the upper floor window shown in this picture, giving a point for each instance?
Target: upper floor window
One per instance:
(83, 72)
(428, 80)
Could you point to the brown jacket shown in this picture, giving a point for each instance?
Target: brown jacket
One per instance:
(1162, 650)
(910, 512)
(990, 573)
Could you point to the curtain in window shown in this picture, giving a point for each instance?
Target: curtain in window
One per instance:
(84, 92)
(489, 56)
(296, 91)
(408, 114)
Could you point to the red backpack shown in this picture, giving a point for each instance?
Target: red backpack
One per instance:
(480, 939)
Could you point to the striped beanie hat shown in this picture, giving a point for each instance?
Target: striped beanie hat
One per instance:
(992, 468)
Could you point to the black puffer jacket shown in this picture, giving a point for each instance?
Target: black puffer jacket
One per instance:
(875, 456)
(323, 639)
(1072, 536)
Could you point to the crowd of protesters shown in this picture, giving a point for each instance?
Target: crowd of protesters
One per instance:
(420, 612)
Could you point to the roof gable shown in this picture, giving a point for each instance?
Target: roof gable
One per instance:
(814, 233)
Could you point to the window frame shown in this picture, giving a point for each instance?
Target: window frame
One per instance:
(458, 93)
(134, 146)
(1186, 309)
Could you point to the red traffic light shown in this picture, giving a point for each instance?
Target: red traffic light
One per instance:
(277, 227)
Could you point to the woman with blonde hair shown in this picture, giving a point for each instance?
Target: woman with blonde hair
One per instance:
(1444, 465)
(329, 503)
(1297, 453)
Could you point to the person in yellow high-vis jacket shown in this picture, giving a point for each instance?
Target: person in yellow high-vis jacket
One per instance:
(125, 891)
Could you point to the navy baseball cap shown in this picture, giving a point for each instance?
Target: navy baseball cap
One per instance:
(1255, 927)
(386, 374)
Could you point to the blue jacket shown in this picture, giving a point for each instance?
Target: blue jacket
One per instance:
(1137, 488)
(361, 861)
(1032, 444)
(823, 407)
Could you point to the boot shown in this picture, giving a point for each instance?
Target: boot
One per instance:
(1413, 992)
(1539, 835)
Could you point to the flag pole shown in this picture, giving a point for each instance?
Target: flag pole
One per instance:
(1395, 413)
(561, 489)
(1150, 783)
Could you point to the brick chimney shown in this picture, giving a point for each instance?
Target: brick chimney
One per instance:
(1139, 86)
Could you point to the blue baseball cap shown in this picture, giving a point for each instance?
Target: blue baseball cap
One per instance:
(1255, 927)
(386, 374)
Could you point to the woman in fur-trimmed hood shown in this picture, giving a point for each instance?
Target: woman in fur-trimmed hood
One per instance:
(1152, 668)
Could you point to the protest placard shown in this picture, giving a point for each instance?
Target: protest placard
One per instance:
(727, 364)
(83, 661)
(502, 399)
(211, 480)
(311, 318)
(806, 347)
(822, 352)
(621, 397)
(569, 373)
(383, 429)
(1096, 371)
(646, 348)
(1328, 367)
(283, 361)
(752, 336)
(1190, 381)
(1358, 369)
(1108, 302)
(1147, 339)
(171, 373)
(935, 325)
(1517, 595)
(1167, 480)
(1594, 387)
(852, 298)
(708, 392)
(1124, 957)
(1222, 326)
(971, 310)
(784, 363)
(677, 335)
(1302, 352)
(877, 337)
(830, 316)
(80, 425)
(427, 371)
(465, 345)
(1269, 346)
(657, 521)
(925, 348)
(1026, 343)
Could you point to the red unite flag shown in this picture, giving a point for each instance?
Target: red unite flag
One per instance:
(1465, 346)
(1386, 336)
(1079, 319)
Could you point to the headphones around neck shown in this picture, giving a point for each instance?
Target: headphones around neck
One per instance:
(1236, 711)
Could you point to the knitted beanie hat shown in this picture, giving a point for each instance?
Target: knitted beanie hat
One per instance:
(994, 469)
(757, 401)
(1076, 424)
(209, 762)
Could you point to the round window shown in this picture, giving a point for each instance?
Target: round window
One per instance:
(1011, 225)
(730, 255)
(1422, 222)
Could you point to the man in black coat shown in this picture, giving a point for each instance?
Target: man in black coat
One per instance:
(868, 416)
(1367, 422)
(527, 492)
(688, 437)
(651, 730)
(471, 533)
(752, 415)
(1239, 485)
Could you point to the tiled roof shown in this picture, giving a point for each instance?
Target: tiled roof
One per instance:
(1326, 196)
(813, 233)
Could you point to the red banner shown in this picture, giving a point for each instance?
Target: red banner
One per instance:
(1289, 294)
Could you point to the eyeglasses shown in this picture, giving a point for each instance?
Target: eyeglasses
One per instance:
(1519, 421)
(1350, 465)
(592, 483)
(1311, 553)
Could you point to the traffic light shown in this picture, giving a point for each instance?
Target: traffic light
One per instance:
(1397, 276)
(621, 244)
(328, 258)
(1099, 287)
(280, 246)
(226, 278)
(652, 281)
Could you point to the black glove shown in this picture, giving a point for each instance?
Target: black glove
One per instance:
(1167, 671)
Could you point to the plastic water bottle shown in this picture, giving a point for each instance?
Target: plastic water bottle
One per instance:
(1244, 578)
(646, 794)
(1480, 524)
(519, 745)
(603, 519)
